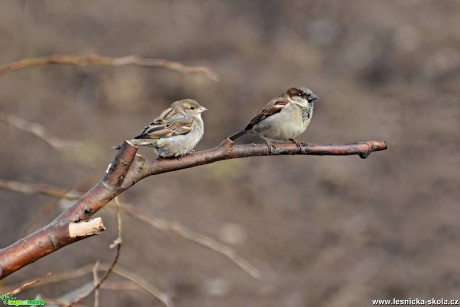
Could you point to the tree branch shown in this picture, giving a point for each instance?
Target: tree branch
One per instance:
(108, 61)
(128, 168)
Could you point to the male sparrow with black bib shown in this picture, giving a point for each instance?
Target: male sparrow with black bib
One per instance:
(283, 118)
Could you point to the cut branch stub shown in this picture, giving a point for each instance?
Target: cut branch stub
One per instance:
(36, 245)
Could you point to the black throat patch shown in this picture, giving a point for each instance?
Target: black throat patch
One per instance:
(306, 112)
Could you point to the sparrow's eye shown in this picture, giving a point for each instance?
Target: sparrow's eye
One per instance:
(192, 108)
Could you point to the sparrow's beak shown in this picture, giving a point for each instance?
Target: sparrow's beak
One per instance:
(312, 97)
(202, 109)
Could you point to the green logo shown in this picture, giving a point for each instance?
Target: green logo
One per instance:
(10, 300)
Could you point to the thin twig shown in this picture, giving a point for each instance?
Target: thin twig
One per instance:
(39, 131)
(108, 61)
(58, 302)
(120, 285)
(95, 283)
(117, 243)
(66, 298)
(138, 280)
(28, 188)
(127, 274)
(188, 234)
(28, 284)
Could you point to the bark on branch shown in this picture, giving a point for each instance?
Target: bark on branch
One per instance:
(127, 169)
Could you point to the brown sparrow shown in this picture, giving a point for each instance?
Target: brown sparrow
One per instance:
(283, 118)
(176, 131)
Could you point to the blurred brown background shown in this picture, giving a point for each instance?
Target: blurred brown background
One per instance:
(324, 231)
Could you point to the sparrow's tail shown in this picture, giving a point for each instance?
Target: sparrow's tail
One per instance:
(237, 135)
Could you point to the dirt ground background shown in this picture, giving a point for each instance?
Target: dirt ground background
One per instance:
(323, 231)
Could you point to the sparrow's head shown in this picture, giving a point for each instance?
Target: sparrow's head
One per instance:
(301, 95)
(188, 107)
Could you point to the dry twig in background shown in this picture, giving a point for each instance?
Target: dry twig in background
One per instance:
(28, 284)
(120, 285)
(95, 283)
(55, 302)
(188, 234)
(39, 131)
(127, 169)
(28, 188)
(108, 61)
(161, 296)
(136, 280)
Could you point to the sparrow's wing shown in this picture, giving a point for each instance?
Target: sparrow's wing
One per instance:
(165, 129)
(162, 118)
(160, 121)
(273, 107)
(165, 115)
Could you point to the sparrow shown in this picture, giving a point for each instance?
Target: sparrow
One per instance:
(175, 132)
(283, 118)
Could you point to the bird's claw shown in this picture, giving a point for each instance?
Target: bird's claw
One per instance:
(271, 146)
(297, 143)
